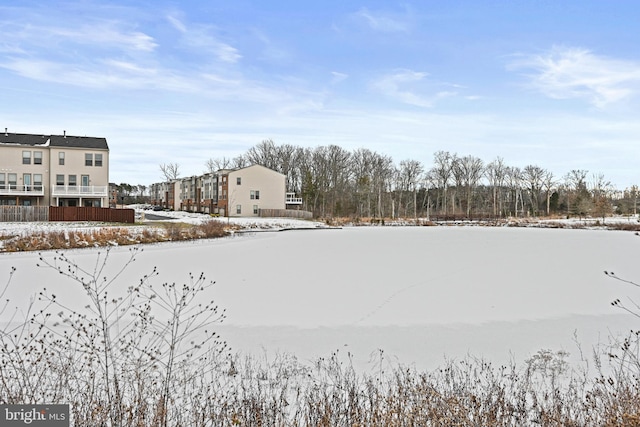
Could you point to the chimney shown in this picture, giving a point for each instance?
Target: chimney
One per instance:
(5, 132)
(64, 133)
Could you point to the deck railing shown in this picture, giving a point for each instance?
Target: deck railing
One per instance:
(80, 190)
(21, 190)
(291, 199)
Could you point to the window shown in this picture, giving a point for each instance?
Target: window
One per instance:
(37, 181)
(26, 157)
(73, 180)
(26, 181)
(37, 157)
(88, 159)
(98, 160)
(59, 179)
(238, 209)
(2, 181)
(255, 209)
(13, 181)
(61, 158)
(255, 195)
(238, 181)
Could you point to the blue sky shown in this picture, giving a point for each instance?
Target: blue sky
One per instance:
(550, 83)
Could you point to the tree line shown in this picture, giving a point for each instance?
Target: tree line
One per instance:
(336, 182)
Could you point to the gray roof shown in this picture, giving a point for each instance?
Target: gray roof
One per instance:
(54, 140)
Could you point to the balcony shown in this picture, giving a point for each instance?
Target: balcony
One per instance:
(80, 191)
(291, 199)
(21, 190)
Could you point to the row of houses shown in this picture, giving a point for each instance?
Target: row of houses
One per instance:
(53, 170)
(243, 192)
(65, 170)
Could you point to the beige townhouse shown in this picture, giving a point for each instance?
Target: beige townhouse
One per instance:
(241, 192)
(250, 189)
(53, 170)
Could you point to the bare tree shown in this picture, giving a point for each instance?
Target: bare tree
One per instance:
(470, 169)
(533, 176)
(441, 173)
(549, 185)
(362, 164)
(578, 196)
(382, 176)
(265, 154)
(410, 174)
(218, 163)
(601, 190)
(239, 162)
(496, 173)
(514, 180)
(170, 171)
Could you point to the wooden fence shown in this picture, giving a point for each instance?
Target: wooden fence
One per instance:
(84, 213)
(285, 213)
(64, 213)
(24, 213)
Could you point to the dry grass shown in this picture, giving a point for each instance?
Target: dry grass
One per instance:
(113, 236)
(149, 357)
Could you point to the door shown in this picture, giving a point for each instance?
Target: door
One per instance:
(84, 180)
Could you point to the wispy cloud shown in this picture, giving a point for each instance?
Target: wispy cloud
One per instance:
(410, 87)
(338, 77)
(384, 21)
(200, 38)
(576, 73)
(98, 34)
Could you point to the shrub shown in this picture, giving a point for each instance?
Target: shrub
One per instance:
(212, 229)
(118, 360)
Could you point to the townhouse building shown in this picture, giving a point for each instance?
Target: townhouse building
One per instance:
(242, 192)
(53, 170)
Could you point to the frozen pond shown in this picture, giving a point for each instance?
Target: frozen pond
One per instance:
(421, 294)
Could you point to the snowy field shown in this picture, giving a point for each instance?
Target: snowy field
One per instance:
(420, 294)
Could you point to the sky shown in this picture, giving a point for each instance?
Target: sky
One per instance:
(547, 83)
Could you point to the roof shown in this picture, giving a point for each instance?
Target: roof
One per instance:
(229, 171)
(54, 140)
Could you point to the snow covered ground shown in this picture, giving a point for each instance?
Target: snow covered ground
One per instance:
(25, 228)
(420, 294)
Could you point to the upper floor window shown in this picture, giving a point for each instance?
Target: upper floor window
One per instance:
(73, 180)
(26, 157)
(61, 158)
(98, 159)
(238, 209)
(2, 180)
(37, 157)
(59, 179)
(255, 195)
(238, 181)
(88, 159)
